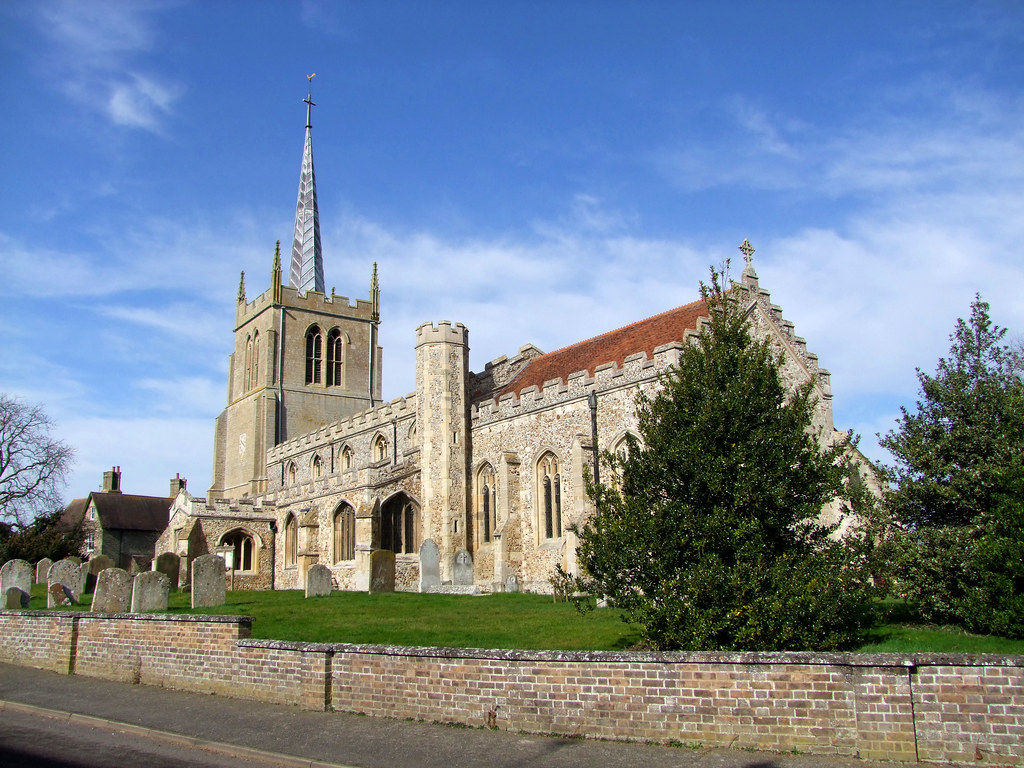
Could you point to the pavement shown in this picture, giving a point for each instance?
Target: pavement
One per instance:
(288, 736)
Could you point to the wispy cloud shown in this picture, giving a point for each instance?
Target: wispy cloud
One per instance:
(97, 54)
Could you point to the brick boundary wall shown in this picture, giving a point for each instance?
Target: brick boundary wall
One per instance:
(928, 707)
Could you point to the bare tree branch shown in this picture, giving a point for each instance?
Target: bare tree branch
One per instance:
(33, 465)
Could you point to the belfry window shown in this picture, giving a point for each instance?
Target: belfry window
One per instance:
(314, 355)
(335, 357)
(344, 533)
(549, 482)
(254, 379)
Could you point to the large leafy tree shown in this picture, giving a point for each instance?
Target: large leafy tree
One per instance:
(958, 468)
(45, 536)
(955, 453)
(708, 538)
(33, 464)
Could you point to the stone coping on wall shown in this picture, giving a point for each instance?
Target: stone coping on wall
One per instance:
(909, 661)
(189, 617)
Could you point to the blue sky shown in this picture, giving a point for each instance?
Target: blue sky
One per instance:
(541, 172)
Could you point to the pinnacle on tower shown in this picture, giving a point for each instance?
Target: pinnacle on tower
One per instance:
(307, 267)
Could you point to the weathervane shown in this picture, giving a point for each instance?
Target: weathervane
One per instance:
(309, 100)
(747, 250)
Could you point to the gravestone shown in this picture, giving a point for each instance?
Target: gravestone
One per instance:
(94, 567)
(113, 591)
(149, 591)
(67, 574)
(462, 569)
(430, 565)
(42, 569)
(208, 587)
(512, 583)
(58, 595)
(169, 564)
(83, 577)
(16, 573)
(318, 581)
(15, 598)
(382, 571)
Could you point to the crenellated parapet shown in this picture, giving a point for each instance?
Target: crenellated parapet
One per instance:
(635, 370)
(310, 301)
(444, 332)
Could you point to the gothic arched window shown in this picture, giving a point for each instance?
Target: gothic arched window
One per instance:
(317, 467)
(399, 519)
(344, 533)
(291, 541)
(486, 498)
(314, 355)
(243, 548)
(380, 448)
(346, 459)
(335, 357)
(254, 379)
(549, 485)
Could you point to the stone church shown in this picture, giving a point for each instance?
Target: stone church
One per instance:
(310, 466)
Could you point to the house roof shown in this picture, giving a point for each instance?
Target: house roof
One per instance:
(120, 511)
(125, 512)
(614, 346)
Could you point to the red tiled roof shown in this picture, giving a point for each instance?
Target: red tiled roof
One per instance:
(614, 346)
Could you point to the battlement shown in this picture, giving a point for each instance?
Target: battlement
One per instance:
(383, 415)
(445, 332)
(498, 372)
(312, 301)
(608, 376)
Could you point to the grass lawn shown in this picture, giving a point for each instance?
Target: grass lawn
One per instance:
(516, 621)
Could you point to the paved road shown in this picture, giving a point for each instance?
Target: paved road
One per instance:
(243, 730)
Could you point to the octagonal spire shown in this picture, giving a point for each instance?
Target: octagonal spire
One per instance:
(307, 267)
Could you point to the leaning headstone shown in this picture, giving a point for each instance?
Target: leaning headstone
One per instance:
(95, 566)
(149, 591)
(169, 564)
(83, 578)
(512, 583)
(430, 565)
(462, 569)
(16, 573)
(318, 581)
(208, 586)
(42, 569)
(58, 595)
(67, 574)
(382, 571)
(113, 591)
(15, 598)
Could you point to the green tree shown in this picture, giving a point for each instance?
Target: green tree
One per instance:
(954, 455)
(959, 460)
(45, 536)
(708, 539)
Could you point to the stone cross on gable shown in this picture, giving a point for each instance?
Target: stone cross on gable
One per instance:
(747, 250)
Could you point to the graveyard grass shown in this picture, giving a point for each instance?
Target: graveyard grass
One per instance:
(507, 621)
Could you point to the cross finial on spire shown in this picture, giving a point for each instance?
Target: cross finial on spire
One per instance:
(747, 250)
(309, 101)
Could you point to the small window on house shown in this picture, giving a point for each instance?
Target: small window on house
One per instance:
(335, 357)
(344, 533)
(90, 541)
(314, 355)
(291, 541)
(549, 484)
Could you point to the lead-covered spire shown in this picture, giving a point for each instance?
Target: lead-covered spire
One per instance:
(307, 267)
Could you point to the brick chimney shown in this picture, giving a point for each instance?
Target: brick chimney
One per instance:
(112, 480)
(177, 484)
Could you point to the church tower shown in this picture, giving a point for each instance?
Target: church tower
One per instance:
(302, 358)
